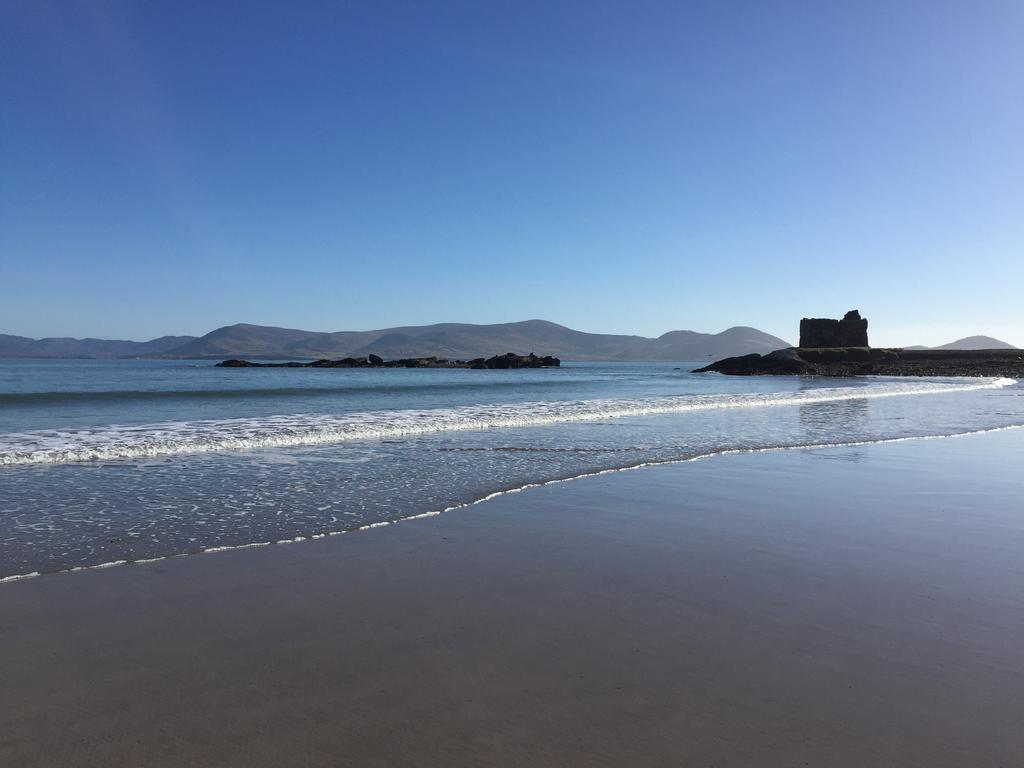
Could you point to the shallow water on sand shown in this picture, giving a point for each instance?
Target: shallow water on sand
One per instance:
(105, 461)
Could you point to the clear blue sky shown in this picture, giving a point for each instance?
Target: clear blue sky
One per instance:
(170, 167)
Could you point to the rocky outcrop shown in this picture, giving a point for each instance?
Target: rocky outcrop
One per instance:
(862, 361)
(512, 360)
(840, 348)
(509, 360)
(820, 333)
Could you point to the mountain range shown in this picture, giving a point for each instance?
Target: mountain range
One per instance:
(22, 346)
(451, 340)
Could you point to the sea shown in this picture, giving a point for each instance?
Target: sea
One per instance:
(111, 462)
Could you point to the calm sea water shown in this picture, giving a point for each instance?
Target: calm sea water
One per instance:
(109, 461)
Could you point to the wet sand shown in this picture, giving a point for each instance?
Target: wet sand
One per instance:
(842, 607)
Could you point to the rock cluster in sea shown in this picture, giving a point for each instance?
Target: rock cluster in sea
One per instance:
(863, 361)
(509, 360)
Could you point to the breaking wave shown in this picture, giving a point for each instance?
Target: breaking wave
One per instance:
(203, 436)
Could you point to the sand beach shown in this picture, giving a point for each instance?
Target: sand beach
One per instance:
(837, 607)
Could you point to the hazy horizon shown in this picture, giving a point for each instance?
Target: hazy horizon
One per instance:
(791, 337)
(635, 169)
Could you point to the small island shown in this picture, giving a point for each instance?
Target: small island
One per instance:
(831, 347)
(500, 362)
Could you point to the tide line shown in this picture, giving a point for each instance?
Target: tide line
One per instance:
(518, 489)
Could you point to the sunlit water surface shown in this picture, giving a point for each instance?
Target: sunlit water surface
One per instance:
(108, 461)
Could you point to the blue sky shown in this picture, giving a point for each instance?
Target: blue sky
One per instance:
(618, 167)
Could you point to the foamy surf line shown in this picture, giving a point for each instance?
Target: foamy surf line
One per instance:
(518, 489)
(207, 436)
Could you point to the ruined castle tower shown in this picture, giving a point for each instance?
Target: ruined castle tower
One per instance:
(851, 331)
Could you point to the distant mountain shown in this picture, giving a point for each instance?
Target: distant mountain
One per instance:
(22, 346)
(972, 342)
(465, 341)
(452, 340)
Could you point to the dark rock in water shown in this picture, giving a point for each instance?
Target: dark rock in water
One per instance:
(345, 362)
(510, 360)
(851, 331)
(423, 362)
(786, 360)
(864, 361)
(735, 366)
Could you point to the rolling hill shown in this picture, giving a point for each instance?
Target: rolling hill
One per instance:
(464, 341)
(22, 346)
(971, 343)
(452, 340)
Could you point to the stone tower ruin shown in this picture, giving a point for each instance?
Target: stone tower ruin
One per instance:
(851, 331)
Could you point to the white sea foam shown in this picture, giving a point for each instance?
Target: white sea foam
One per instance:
(184, 437)
(19, 577)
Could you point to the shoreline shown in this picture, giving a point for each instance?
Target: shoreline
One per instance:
(842, 606)
(300, 539)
